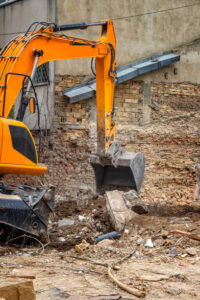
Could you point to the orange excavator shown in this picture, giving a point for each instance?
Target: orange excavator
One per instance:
(25, 209)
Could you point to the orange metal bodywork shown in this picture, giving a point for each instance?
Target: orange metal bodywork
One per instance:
(18, 57)
(11, 160)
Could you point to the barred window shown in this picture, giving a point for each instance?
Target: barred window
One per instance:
(42, 74)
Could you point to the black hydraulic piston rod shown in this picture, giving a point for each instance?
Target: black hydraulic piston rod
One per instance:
(82, 25)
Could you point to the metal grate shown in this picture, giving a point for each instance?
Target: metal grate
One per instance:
(42, 74)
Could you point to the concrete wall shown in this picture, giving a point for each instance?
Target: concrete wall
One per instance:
(15, 18)
(137, 37)
(187, 70)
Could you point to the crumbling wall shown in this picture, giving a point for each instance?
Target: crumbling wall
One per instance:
(67, 148)
(170, 144)
(159, 119)
(169, 141)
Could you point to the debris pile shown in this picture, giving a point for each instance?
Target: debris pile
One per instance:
(157, 247)
(150, 256)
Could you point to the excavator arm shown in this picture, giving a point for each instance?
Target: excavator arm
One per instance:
(19, 61)
(29, 51)
(25, 209)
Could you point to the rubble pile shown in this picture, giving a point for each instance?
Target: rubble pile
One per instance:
(171, 147)
(154, 256)
(157, 249)
(75, 220)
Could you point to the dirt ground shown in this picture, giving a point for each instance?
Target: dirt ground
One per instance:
(170, 269)
(162, 261)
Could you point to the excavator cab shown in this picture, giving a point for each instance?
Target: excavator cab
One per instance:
(23, 209)
(18, 154)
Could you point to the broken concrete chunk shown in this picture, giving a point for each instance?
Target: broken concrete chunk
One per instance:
(57, 293)
(191, 251)
(164, 234)
(174, 292)
(118, 212)
(130, 195)
(106, 243)
(134, 202)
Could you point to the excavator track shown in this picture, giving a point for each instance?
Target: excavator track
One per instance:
(24, 211)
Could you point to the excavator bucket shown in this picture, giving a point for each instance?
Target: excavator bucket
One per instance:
(122, 169)
(24, 211)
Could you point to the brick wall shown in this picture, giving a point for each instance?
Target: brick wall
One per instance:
(66, 113)
(170, 143)
(66, 150)
(173, 127)
(169, 140)
(128, 97)
(128, 102)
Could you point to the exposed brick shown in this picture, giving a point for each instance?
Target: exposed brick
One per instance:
(67, 158)
(77, 115)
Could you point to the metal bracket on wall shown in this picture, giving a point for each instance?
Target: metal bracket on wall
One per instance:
(88, 90)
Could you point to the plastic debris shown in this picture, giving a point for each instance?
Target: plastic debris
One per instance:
(149, 243)
(111, 235)
(65, 222)
(140, 241)
(81, 218)
(173, 253)
(62, 239)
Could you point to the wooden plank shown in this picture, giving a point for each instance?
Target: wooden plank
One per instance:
(21, 291)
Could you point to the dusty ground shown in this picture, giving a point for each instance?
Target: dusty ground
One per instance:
(168, 270)
(95, 222)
